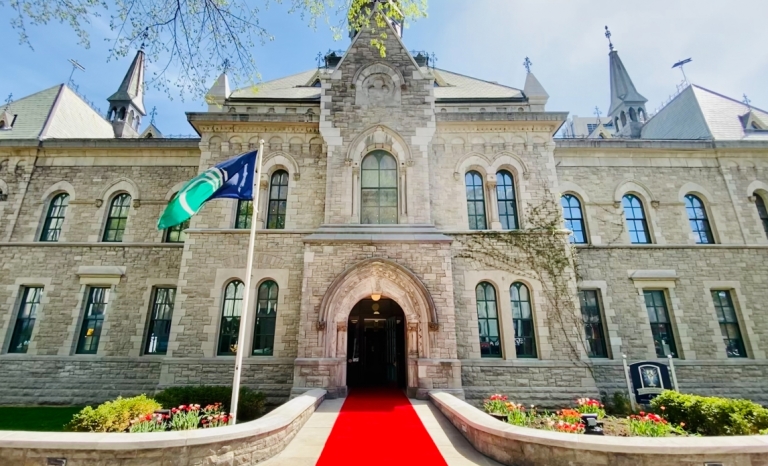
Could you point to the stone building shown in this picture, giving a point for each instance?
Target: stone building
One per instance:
(417, 227)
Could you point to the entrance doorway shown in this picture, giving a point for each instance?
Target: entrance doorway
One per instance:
(376, 344)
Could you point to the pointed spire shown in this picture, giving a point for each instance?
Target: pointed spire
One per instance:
(533, 89)
(623, 91)
(131, 90)
(219, 92)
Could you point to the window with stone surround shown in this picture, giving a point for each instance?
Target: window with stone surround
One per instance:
(160, 321)
(507, 200)
(177, 233)
(244, 215)
(698, 219)
(93, 320)
(378, 189)
(574, 218)
(25, 320)
(637, 225)
(278, 201)
(475, 201)
(661, 326)
(762, 211)
(117, 219)
(729, 324)
(488, 321)
(266, 316)
(593, 324)
(54, 219)
(231, 309)
(522, 320)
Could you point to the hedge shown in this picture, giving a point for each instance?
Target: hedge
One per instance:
(250, 404)
(712, 416)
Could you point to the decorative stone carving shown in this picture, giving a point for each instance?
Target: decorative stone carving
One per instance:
(341, 326)
(99, 202)
(296, 176)
(263, 184)
(379, 90)
(655, 204)
(456, 176)
(434, 326)
(136, 203)
(752, 199)
(321, 325)
(616, 204)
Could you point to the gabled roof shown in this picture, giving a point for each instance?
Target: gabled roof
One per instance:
(452, 86)
(698, 113)
(56, 113)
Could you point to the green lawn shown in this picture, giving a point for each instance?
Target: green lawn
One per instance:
(37, 418)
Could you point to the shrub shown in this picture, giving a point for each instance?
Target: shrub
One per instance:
(250, 405)
(112, 416)
(619, 404)
(711, 416)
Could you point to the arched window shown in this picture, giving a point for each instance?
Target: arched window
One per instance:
(475, 201)
(697, 217)
(278, 200)
(522, 320)
(574, 218)
(54, 220)
(244, 214)
(266, 314)
(636, 223)
(121, 114)
(488, 321)
(632, 114)
(117, 219)
(231, 308)
(623, 119)
(505, 193)
(379, 189)
(178, 233)
(762, 211)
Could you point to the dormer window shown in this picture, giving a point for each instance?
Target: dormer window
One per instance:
(316, 83)
(6, 121)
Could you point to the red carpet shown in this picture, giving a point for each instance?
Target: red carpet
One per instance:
(379, 427)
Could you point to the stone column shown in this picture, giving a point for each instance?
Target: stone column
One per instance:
(493, 204)
(263, 203)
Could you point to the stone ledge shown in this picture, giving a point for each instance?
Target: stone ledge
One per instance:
(235, 437)
(519, 445)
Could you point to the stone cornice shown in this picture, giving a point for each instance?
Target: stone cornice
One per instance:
(529, 117)
(201, 119)
(127, 143)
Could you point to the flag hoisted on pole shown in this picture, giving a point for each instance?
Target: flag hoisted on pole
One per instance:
(236, 178)
(246, 292)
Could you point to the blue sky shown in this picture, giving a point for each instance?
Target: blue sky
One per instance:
(488, 39)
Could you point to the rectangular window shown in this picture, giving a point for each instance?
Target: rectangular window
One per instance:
(729, 324)
(25, 322)
(160, 321)
(661, 327)
(593, 324)
(244, 215)
(88, 343)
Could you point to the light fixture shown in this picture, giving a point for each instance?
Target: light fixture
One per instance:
(375, 308)
(375, 296)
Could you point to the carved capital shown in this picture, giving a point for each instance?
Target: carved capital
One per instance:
(410, 163)
(136, 203)
(99, 202)
(434, 326)
(341, 326)
(348, 162)
(491, 184)
(655, 204)
(263, 184)
(296, 176)
(321, 325)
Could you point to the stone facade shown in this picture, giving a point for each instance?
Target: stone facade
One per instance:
(326, 259)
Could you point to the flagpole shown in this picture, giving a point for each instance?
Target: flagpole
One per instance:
(247, 292)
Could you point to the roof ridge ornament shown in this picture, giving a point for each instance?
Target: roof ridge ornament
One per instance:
(608, 36)
(747, 102)
(527, 64)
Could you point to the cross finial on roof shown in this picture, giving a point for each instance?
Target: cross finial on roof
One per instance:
(597, 112)
(225, 65)
(152, 115)
(144, 37)
(8, 101)
(527, 64)
(747, 102)
(319, 59)
(608, 36)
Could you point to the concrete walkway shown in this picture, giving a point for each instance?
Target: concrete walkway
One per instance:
(306, 447)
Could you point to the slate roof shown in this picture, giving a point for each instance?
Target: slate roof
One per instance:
(698, 113)
(452, 86)
(56, 113)
(132, 87)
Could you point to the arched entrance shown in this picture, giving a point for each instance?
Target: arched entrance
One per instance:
(376, 344)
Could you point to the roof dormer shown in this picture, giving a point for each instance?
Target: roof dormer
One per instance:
(7, 120)
(754, 121)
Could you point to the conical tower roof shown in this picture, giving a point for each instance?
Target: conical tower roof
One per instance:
(622, 88)
(132, 87)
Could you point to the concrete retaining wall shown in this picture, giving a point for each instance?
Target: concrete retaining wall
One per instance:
(247, 443)
(519, 446)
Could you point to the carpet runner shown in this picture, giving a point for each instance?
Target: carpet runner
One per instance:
(379, 427)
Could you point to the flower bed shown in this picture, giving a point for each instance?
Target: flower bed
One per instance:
(575, 420)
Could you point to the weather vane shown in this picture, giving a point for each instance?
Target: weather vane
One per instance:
(747, 102)
(680, 65)
(152, 115)
(608, 36)
(75, 66)
(527, 64)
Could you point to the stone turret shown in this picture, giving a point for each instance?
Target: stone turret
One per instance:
(627, 105)
(126, 106)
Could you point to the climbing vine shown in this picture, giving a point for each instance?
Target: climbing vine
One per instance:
(541, 252)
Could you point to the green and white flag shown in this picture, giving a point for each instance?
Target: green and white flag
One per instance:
(232, 179)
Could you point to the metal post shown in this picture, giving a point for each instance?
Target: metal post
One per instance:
(672, 371)
(629, 383)
(247, 291)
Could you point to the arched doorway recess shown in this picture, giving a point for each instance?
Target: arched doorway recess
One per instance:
(385, 280)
